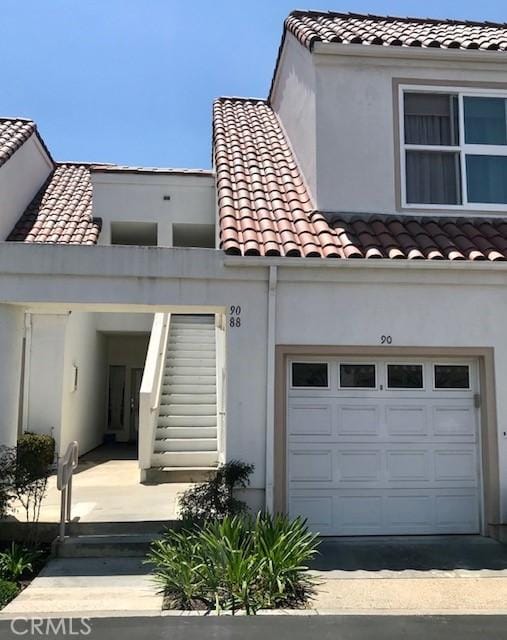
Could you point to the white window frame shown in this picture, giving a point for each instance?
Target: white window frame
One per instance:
(348, 362)
(312, 361)
(408, 364)
(452, 364)
(461, 148)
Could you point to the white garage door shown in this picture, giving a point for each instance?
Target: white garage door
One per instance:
(379, 447)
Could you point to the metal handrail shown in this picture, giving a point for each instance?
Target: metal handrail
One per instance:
(66, 466)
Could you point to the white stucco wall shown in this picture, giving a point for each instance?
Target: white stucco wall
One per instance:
(83, 408)
(11, 341)
(131, 197)
(338, 111)
(293, 99)
(20, 179)
(44, 376)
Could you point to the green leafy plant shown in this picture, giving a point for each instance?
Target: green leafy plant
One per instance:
(8, 591)
(36, 453)
(214, 499)
(237, 563)
(16, 562)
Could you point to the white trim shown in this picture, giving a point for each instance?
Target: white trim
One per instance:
(313, 387)
(406, 364)
(270, 389)
(451, 364)
(349, 362)
(462, 148)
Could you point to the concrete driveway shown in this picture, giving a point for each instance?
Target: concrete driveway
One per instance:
(413, 575)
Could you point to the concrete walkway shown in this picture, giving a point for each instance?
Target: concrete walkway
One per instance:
(86, 585)
(106, 488)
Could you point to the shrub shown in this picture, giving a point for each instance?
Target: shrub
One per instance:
(16, 562)
(36, 453)
(214, 499)
(236, 563)
(8, 591)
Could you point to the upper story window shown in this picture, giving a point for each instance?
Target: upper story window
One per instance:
(454, 149)
(142, 234)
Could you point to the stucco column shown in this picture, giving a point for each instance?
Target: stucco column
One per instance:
(11, 346)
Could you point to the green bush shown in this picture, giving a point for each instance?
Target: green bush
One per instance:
(35, 453)
(16, 562)
(239, 563)
(8, 591)
(214, 499)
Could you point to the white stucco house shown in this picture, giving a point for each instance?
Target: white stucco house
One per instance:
(329, 302)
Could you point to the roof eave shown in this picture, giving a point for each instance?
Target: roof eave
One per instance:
(408, 53)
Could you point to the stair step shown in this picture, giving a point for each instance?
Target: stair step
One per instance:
(165, 433)
(99, 546)
(162, 475)
(190, 350)
(176, 361)
(192, 339)
(186, 421)
(193, 319)
(198, 371)
(185, 444)
(194, 399)
(188, 410)
(185, 459)
(189, 388)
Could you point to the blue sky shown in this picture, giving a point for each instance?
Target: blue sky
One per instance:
(132, 81)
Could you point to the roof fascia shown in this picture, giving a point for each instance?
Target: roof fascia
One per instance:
(408, 53)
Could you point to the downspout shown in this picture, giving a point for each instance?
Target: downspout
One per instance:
(270, 387)
(27, 366)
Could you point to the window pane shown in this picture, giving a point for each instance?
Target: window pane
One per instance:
(404, 376)
(433, 177)
(431, 118)
(357, 375)
(309, 374)
(452, 376)
(485, 121)
(487, 179)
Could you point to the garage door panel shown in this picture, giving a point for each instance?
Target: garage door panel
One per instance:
(359, 466)
(311, 466)
(358, 419)
(408, 466)
(409, 512)
(359, 512)
(455, 465)
(316, 509)
(310, 418)
(454, 420)
(457, 512)
(406, 420)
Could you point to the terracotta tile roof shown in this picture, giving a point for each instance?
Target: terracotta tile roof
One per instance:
(61, 213)
(263, 203)
(310, 27)
(265, 209)
(13, 133)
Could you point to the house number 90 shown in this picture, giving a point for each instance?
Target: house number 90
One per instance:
(234, 316)
(386, 339)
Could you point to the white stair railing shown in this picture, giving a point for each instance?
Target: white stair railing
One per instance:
(151, 389)
(66, 467)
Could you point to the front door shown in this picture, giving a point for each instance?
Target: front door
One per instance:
(135, 388)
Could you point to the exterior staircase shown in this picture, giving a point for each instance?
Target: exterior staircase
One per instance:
(185, 446)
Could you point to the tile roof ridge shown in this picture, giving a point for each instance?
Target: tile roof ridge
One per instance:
(17, 119)
(296, 13)
(239, 99)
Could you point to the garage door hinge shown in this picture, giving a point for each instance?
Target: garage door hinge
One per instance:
(477, 400)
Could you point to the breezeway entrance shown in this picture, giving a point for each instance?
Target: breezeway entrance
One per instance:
(381, 446)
